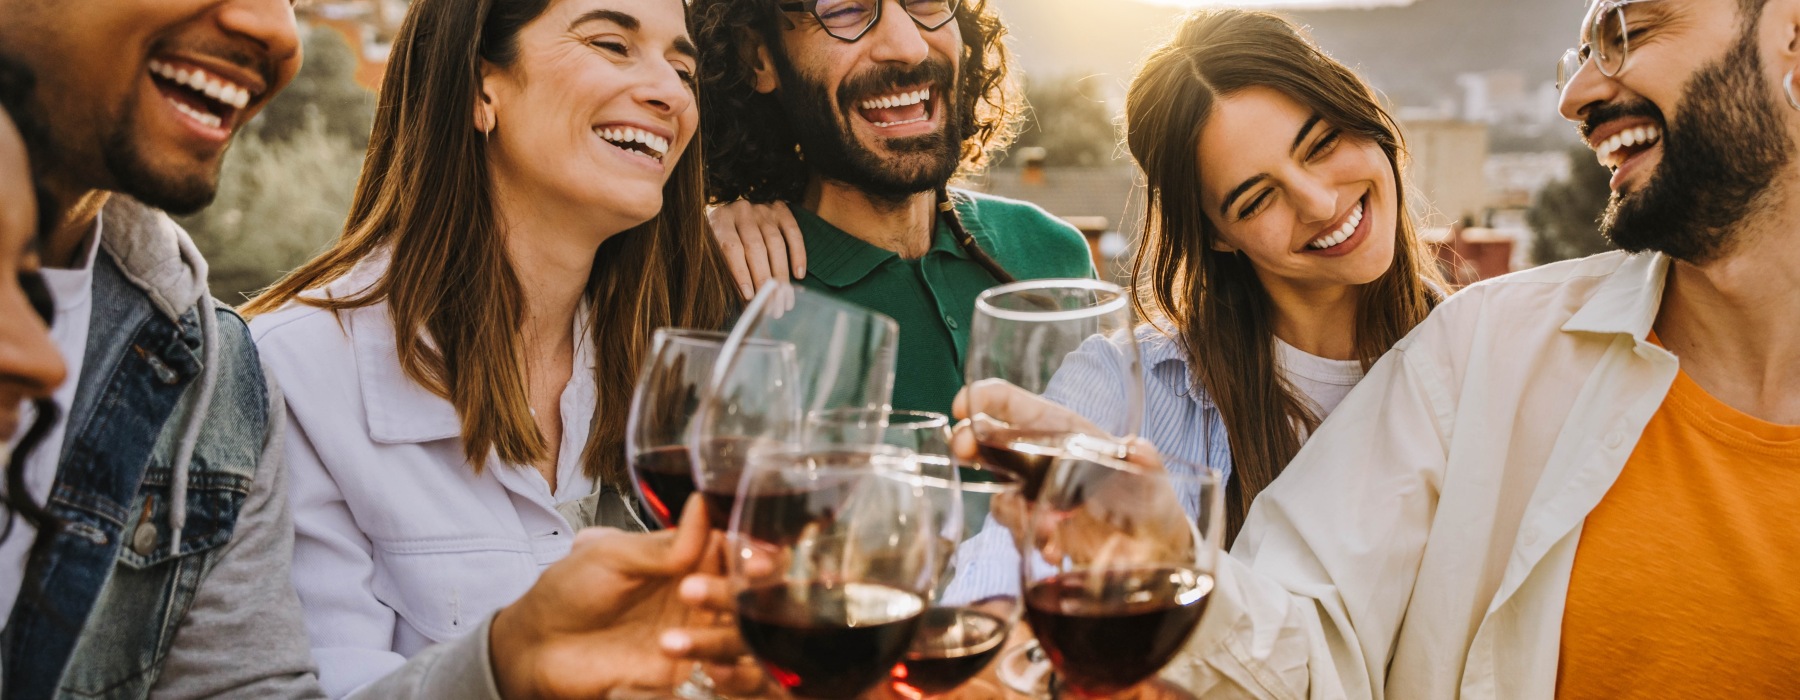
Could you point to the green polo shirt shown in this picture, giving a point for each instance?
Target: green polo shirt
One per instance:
(933, 297)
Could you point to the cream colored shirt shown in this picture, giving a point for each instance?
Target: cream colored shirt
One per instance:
(1420, 544)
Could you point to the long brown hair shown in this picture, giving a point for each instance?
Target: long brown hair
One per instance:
(1213, 300)
(425, 194)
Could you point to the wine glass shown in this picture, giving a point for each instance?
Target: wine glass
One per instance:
(1051, 337)
(663, 405)
(841, 355)
(831, 558)
(1117, 562)
(961, 631)
(922, 432)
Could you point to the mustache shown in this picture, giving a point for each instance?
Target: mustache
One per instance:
(935, 71)
(238, 54)
(1615, 111)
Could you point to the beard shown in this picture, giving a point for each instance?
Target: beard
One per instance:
(175, 189)
(821, 124)
(1718, 162)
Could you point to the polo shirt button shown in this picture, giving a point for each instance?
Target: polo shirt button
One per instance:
(949, 321)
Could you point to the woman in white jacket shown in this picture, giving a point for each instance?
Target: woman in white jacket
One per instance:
(459, 364)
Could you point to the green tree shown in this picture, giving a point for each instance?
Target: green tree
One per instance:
(1565, 215)
(1070, 120)
(280, 202)
(325, 89)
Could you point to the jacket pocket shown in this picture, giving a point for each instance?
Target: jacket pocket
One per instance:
(214, 499)
(445, 588)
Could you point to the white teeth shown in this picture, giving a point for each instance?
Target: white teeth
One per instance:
(904, 99)
(620, 135)
(1608, 151)
(1343, 232)
(207, 118)
(218, 89)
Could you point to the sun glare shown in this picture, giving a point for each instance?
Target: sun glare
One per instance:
(1282, 4)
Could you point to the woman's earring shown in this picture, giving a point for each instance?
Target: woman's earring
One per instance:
(1787, 86)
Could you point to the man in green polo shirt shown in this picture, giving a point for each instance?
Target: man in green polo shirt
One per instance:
(856, 114)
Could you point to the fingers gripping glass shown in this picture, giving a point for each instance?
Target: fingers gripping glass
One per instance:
(1607, 42)
(849, 20)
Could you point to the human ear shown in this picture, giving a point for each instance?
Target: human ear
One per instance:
(764, 67)
(485, 119)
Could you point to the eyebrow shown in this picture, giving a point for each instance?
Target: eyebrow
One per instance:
(1299, 138)
(683, 45)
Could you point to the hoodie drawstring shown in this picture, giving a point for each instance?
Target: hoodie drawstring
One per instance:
(190, 433)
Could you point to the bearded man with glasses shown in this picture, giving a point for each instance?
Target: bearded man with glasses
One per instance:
(1576, 481)
(856, 115)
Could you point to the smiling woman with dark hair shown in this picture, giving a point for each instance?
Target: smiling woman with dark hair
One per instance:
(458, 366)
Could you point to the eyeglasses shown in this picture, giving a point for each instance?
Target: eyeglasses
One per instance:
(1608, 42)
(849, 20)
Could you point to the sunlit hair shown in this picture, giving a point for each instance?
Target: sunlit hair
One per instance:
(452, 292)
(1212, 301)
(751, 145)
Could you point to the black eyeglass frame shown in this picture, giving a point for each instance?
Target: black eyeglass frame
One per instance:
(811, 7)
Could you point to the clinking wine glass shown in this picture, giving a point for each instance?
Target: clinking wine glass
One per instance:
(1046, 337)
(922, 432)
(1117, 562)
(832, 557)
(963, 627)
(838, 356)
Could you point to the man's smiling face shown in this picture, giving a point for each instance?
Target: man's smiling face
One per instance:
(880, 113)
(1691, 126)
(147, 94)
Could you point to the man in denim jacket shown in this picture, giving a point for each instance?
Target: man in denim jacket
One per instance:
(167, 570)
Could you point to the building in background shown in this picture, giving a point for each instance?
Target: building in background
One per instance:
(368, 26)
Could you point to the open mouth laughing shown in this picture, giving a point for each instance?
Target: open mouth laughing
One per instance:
(1623, 145)
(1343, 235)
(897, 109)
(205, 97)
(638, 143)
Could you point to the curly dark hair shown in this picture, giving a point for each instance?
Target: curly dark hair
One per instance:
(751, 155)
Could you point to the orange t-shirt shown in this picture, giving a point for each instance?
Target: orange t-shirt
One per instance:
(1687, 577)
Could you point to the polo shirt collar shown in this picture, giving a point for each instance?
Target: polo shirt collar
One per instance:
(839, 259)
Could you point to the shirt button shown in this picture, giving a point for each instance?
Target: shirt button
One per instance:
(1614, 439)
(1531, 537)
(949, 321)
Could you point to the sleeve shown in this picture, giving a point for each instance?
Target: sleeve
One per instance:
(243, 636)
(352, 631)
(1093, 382)
(457, 670)
(1310, 602)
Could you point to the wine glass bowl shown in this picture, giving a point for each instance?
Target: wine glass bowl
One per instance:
(1043, 336)
(831, 564)
(1117, 562)
(922, 432)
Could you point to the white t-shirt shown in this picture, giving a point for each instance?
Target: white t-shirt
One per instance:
(73, 291)
(1324, 382)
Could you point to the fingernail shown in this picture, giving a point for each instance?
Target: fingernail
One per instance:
(675, 642)
(800, 271)
(693, 588)
(748, 292)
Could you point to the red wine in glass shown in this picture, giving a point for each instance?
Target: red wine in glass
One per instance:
(828, 641)
(1026, 453)
(1107, 631)
(953, 644)
(665, 479)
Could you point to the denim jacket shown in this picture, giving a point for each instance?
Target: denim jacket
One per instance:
(171, 408)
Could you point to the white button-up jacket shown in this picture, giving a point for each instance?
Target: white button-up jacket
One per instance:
(399, 543)
(1420, 545)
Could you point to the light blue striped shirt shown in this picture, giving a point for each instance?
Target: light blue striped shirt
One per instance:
(1179, 418)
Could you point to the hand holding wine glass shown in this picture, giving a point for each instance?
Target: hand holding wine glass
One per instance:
(1026, 334)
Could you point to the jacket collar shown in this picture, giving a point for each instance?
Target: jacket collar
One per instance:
(1626, 303)
(154, 254)
(399, 410)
